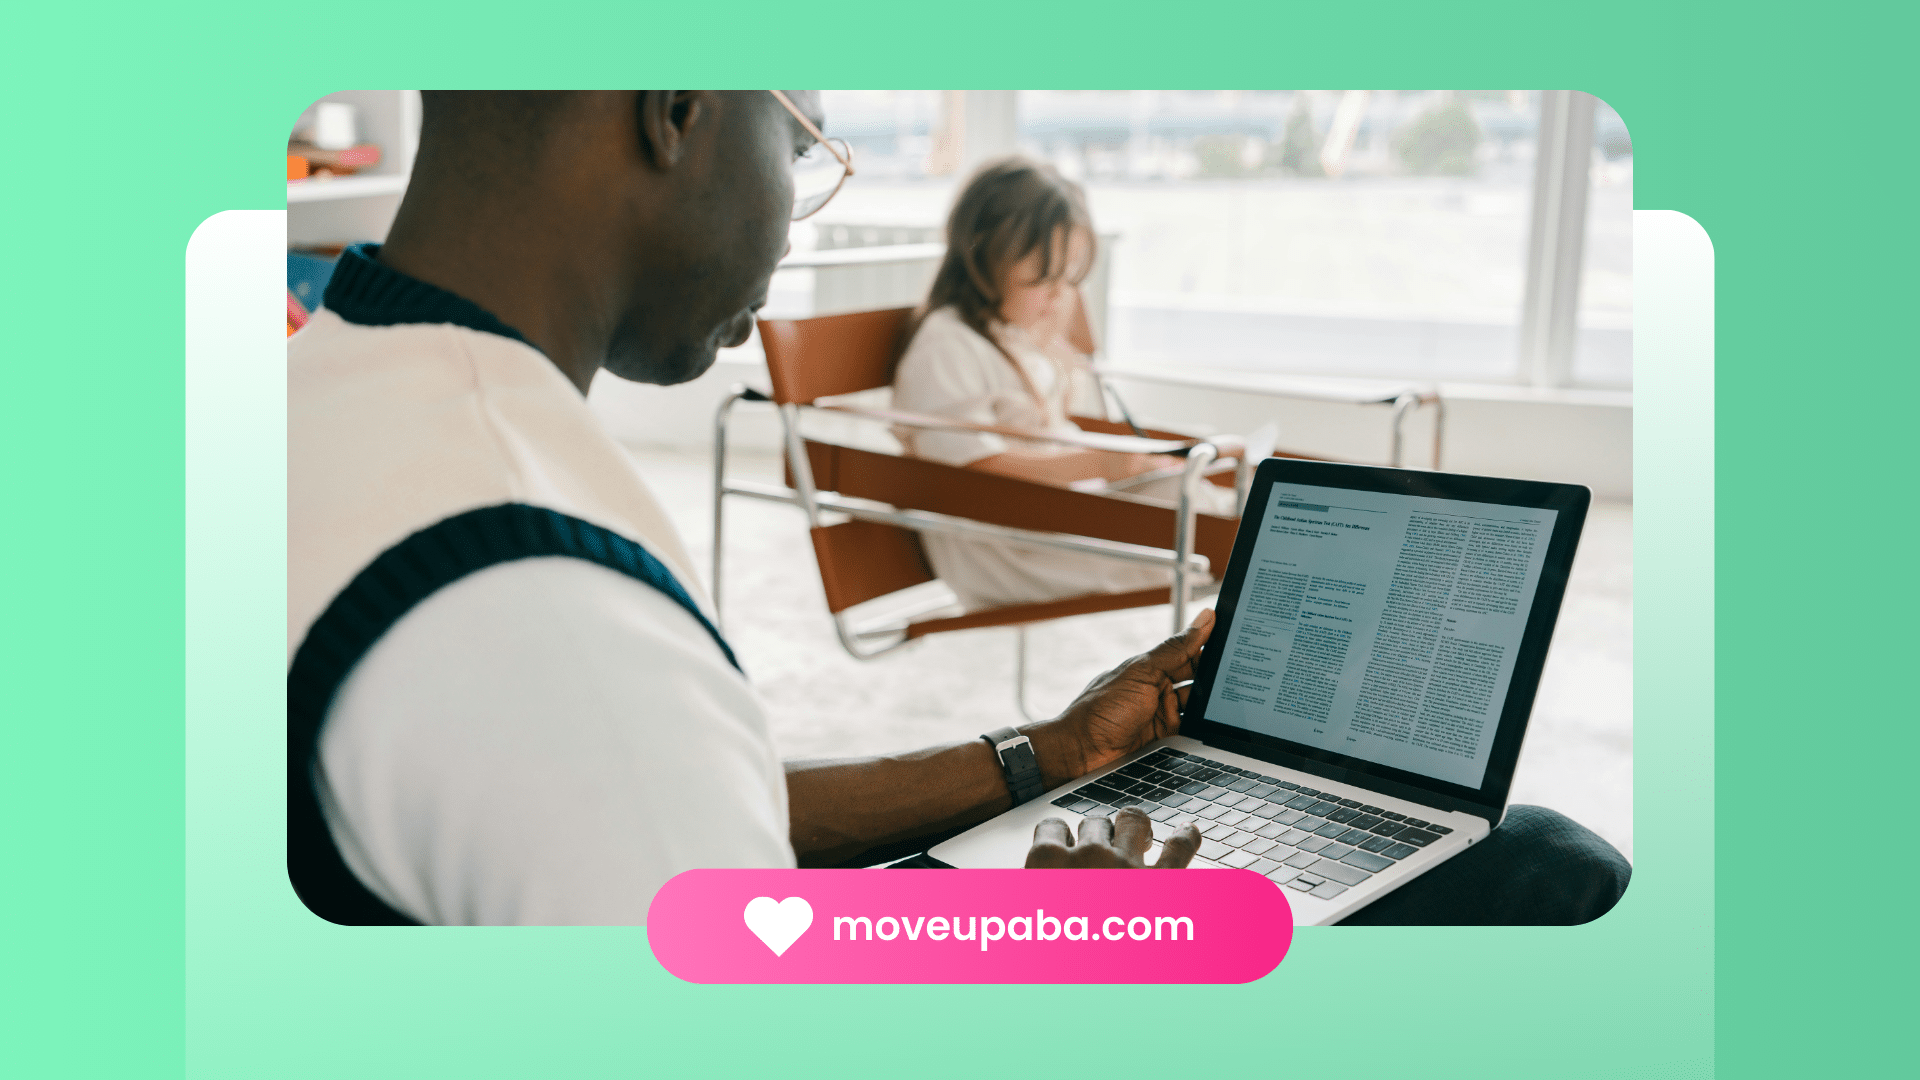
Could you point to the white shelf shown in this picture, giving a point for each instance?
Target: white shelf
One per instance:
(344, 187)
(349, 209)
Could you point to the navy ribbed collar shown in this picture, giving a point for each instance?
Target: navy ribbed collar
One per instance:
(367, 291)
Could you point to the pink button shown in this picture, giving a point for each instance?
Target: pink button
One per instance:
(970, 926)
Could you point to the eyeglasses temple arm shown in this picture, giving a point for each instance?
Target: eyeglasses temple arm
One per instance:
(814, 131)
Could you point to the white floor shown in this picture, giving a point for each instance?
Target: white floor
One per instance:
(1579, 753)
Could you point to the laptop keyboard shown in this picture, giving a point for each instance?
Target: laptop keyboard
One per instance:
(1312, 841)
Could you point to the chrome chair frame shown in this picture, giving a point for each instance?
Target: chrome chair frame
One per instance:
(1403, 400)
(1406, 402)
(859, 639)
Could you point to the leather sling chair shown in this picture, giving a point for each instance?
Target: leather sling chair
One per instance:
(864, 508)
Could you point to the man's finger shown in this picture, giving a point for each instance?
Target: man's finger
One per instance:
(1053, 831)
(1179, 849)
(1197, 634)
(1192, 640)
(1096, 830)
(1132, 833)
(1171, 702)
(1177, 655)
(1046, 856)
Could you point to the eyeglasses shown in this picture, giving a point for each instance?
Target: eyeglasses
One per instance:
(818, 173)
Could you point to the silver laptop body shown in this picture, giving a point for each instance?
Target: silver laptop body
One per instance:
(1358, 711)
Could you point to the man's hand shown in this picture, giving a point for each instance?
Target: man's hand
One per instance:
(839, 809)
(1116, 843)
(1122, 710)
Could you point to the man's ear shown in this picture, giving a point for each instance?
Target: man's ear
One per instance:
(665, 120)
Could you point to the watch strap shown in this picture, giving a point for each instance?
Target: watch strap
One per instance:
(1017, 763)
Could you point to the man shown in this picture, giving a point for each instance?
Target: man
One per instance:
(505, 703)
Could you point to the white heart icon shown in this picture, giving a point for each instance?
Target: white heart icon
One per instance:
(780, 924)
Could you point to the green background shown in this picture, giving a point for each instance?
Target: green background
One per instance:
(1769, 950)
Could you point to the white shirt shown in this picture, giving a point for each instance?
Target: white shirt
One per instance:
(546, 741)
(950, 370)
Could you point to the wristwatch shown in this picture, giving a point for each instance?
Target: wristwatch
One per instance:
(1017, 763)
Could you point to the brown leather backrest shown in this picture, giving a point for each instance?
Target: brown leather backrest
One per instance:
(1079, 331)
(810, 359)
(912, 484)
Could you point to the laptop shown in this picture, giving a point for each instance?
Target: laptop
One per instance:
(1359, 708)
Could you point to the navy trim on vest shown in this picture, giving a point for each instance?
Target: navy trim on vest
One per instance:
(367, 291)
(389, 587)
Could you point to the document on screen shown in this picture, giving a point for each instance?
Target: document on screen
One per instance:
(1382, 626)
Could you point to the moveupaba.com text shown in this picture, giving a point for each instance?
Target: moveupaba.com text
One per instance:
(991, 928)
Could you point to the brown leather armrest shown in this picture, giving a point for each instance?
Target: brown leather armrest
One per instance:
(1090, 440)
(913, 484)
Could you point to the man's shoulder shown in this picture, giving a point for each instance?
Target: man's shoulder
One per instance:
(328, 337)
(391, 429)
(561, 627)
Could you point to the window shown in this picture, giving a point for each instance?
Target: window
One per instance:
(1346, 233)
(1603, 354)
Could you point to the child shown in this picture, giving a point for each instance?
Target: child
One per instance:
(994, 346)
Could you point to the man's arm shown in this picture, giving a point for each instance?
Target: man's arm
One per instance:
(840, 808)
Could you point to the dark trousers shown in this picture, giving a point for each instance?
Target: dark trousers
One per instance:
(1539, 868)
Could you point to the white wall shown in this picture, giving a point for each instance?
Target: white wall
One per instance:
(1578, 437)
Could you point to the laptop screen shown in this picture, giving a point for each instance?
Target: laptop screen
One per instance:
(1381, 626)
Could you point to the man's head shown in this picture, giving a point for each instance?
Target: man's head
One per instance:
(634, 230)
